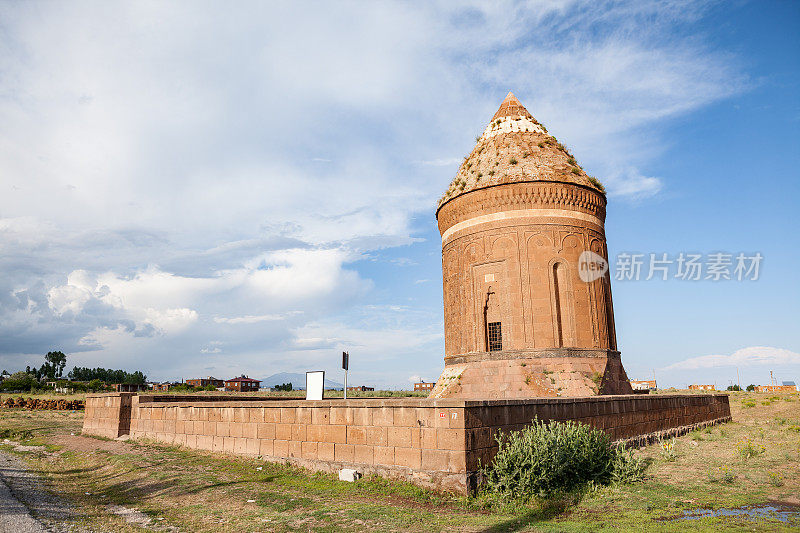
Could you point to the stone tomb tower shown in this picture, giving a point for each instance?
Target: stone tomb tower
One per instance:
(519, 321)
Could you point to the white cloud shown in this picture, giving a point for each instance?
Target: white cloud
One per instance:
(632, 184)
(68, 298)
(746, 357)
(211, 350)
(451, 161)
(170, 320)
(414, 379)
(252, 319)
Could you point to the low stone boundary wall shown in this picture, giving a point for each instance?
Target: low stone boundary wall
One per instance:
(108, 415)
(436, 443)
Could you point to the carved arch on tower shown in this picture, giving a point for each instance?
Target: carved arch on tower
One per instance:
(598, 301)
(504, 243)
(562, 303)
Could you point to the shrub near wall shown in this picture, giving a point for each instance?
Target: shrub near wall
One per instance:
(549, 458)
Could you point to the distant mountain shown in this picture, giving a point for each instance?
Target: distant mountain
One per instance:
(298, 381)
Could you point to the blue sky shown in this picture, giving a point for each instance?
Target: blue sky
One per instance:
(188, 189)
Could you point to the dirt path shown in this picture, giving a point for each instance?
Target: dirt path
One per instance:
(25, 506)
(14, 516)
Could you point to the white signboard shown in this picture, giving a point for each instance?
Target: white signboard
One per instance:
(315, 384)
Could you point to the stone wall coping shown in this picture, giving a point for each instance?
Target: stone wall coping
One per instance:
(159, 398)
(188, 401)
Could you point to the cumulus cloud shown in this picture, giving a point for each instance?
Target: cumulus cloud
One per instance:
(746, 357)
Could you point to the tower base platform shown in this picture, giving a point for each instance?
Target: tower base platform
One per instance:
(556, 372)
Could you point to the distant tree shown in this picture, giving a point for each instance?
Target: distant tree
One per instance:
(284, 387)
(751, 388)
(95, 385)
(57, 362)
(107, 375)
(734, 388)
(21, 381)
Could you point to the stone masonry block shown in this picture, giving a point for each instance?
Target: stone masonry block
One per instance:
(408, 457)
(344, 452)
(356, 435)
(399, 436)
(325, 451)
(363, 454)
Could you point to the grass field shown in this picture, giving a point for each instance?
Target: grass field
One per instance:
(751, 462)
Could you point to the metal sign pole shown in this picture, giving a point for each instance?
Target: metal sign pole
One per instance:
(345, 365)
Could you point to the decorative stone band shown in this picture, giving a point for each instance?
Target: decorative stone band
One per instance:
(512, 124)
(520, 197)
(529, 354)
(518, 214)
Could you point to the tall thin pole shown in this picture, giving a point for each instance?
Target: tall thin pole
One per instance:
(738, 381)
(346, 367)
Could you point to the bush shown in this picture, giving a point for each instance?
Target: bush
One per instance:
(747, 449)
(627, 467)
(183, 387)
(544, 459)
(20, 381)
(667, 449)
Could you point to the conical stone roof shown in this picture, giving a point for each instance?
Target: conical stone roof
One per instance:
(515, 148)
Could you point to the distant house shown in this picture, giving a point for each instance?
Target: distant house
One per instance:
(242, 384)
(423, 386)
(64, 388)
(777, 388)
(361, 388)
(644, 384)
(205, 382)
(702, 387)
(164, 386)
